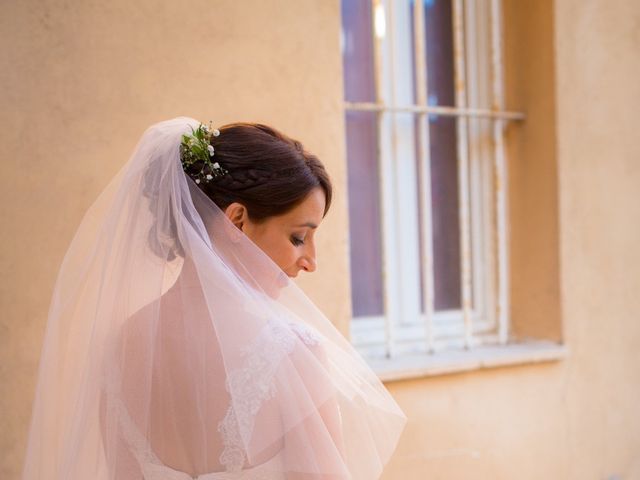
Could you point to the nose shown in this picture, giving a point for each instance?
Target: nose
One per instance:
(308, 264)
(308, 261)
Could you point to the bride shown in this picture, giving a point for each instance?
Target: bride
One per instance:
(178, 348)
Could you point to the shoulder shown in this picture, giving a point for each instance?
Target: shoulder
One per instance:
(292, 335)
(306, 333)
(311, 339)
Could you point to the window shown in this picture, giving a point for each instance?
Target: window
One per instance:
(426, 175)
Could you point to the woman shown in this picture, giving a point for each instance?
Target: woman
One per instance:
(176, 345)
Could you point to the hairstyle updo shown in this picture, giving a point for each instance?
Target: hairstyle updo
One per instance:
(268, 172)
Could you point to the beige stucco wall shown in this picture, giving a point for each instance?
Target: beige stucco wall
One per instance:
(575, 264)
(81, 81)
(84, 80)
(598, 72)
(576, 68)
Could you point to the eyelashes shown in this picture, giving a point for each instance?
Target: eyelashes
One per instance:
(296, 241)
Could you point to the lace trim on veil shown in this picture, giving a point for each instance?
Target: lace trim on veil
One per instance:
(137, 442)
(253, 384)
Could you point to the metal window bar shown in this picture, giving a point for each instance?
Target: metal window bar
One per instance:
(396, 279)
(390, 303)
(461, 112)
(502, 306)
(435, 110)
(480, 168)
(460, 88)
(424, 152)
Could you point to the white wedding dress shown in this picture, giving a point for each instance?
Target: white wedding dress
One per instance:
(176, 348)
(154, 469)
(262, 359)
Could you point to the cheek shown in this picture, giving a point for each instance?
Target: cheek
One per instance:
(287, 253)
(281, 250)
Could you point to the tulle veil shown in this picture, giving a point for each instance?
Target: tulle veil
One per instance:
(175, 348)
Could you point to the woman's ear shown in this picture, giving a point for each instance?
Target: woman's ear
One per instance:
(236, 212)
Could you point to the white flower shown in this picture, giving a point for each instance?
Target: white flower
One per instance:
(209, 177)
(216, 132)
(216, 165)
(197, 180)
(211, 150)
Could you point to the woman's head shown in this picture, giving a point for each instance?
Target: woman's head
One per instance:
(275, 192)
(269, 172)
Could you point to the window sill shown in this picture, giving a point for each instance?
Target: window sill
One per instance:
(454, 361)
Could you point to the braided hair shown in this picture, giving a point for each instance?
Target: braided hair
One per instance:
(268, 172)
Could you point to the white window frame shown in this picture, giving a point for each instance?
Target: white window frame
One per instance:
(404, 332)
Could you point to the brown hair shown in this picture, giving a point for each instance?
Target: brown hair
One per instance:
(268, 172)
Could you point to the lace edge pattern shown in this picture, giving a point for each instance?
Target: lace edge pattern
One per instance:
(252, 384)
(137, 442)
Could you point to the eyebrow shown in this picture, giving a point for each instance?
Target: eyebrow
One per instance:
(308, 224)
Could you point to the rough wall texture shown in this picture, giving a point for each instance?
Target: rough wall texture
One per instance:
(578, 418)
(88, 77)
(597, 72)
(81, 81)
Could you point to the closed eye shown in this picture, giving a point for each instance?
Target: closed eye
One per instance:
(296, 241)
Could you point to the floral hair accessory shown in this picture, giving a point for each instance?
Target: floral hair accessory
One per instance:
(196, 151)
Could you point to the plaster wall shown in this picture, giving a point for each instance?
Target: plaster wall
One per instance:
(575, 197)
(84, 80)
(81, 81)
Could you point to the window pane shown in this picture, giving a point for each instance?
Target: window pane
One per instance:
(362, 161)
(364, 214)
(444, 199)
(357, 54)
(444, 168)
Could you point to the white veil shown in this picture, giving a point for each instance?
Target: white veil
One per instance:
(175, 348)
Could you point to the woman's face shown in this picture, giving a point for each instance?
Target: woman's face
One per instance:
(288, 239)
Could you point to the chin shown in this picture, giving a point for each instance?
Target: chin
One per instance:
(283, 279)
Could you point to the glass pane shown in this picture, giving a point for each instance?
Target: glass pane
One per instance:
(364, 215)
(444, 200)
(362, 161)
(443, 152)
(438, 23)
(357, 51)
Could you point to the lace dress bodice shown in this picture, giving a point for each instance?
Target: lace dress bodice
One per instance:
(253, 383)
